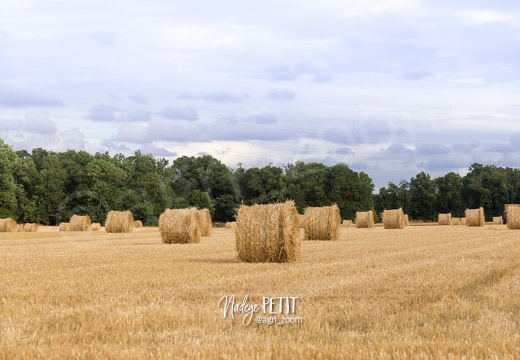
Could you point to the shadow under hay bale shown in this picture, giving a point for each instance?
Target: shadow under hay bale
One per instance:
(322, 223)
(475, 217)
(8, 225)
(268, 233)
(393, 219)
(206, 223)
(445, 219)
(119, 222)
(80, 223)
(30, 227)
(180, 226)
(365, 219)
(64, 226)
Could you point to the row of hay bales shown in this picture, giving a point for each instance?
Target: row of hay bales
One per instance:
(475, 217)
(9, 225)
(116, 222)
(392, 219)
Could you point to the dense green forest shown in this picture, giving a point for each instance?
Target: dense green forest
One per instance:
(49, 187)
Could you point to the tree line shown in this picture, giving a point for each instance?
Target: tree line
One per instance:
(48, 187)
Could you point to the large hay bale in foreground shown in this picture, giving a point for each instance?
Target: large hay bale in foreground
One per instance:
(455, 221)
(80, 223)
(497, 220)
(347, 223)
(119, 222)
(30, 227)
(365, 219)
(206, 223)
(138, 224)
(64, 226)
(180, 226)
(8, 225)
(445, 219)
(475, 217)
(393, 219)
(268, 233)
(513, 218)
(322, 223)
(95, 227)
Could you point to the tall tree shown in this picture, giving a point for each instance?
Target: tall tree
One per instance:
(9, 161)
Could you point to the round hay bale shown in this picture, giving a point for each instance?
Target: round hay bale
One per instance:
(206, 224)
(231, 225)
(445, 219)
(463, 221)
(64, 226)
(497, 220)
(513, 218)
(475, 217)
(393, 219)
(8, 225)
(180, 226)
(455, 221)
(347, 223)
(138, 224)
(322, 223)
(364, 219)
(80, 223)
(95, 227)
(119, 222)
(268, 233)
(301, 220)
(30, 227)
(20, 228)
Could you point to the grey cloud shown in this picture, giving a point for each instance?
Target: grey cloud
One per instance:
(106, 38)
(221, 97)
(431, 149)
(138, 98)
(263, 118)
(176, 113)
(156, 151)
(397, 149)
(304, 70)
(132, 116)
(282, 95)
(103, 113)
(35, 122)
(19, 100)
(112, 145)
(416, 74)
(72, 139)
(111, 113)
(344, 151)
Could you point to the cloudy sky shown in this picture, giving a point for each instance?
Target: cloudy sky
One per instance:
(389, 87)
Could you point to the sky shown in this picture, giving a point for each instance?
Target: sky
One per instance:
(391, 88)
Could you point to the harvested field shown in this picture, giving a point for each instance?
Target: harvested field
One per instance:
(427, 292)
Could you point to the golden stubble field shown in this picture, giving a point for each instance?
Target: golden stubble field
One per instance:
(422, 292)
